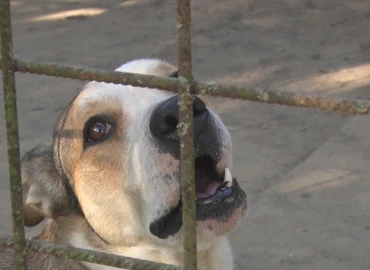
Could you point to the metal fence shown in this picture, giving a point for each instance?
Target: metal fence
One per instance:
(184, 85)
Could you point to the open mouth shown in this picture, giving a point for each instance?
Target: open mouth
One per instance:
(207, 180)
(218, 195)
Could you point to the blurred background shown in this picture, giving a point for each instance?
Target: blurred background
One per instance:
(306, 172)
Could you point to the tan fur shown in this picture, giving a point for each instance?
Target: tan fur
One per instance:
(102, 197)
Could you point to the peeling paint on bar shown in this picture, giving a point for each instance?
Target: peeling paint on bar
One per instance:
(186, 134)
(11, 119)
(355, 106)
(88, 255)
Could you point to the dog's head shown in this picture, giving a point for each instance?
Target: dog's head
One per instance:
(116, 159)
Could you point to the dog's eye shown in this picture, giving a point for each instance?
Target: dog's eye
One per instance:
(96, 130)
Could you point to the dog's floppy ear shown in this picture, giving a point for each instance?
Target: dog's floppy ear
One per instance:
(45, 192)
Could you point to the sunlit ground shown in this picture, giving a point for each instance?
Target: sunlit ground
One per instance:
(336, 82)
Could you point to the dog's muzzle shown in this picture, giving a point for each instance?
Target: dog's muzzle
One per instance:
(164, 121)
(218, 195)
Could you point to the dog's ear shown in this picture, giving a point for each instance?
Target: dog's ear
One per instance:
(45, 192)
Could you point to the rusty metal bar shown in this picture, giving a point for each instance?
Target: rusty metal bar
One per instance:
(186, 134)
(11, 119)
(355, 106)
(89, 256)
(184, 38)
(89, 74)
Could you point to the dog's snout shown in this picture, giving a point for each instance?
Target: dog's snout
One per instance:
(165, 118)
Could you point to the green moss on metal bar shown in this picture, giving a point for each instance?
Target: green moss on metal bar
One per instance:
(11, 119)
(116, 77)
(186, 133)
(88, 255)
(284, 98)
(219, 90)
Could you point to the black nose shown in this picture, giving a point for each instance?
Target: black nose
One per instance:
(165, 118)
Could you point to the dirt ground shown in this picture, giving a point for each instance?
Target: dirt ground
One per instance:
(306, 172)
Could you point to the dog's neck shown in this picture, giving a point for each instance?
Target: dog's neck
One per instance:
(76, 232)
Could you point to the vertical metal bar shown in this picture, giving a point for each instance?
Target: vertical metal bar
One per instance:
(10, 106)
(184, 38)
(186, 133)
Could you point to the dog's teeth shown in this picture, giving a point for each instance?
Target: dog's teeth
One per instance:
(228, 177)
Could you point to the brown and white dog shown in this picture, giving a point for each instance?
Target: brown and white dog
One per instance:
(110, 180)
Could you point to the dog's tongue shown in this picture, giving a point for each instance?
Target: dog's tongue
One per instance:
(209, 190)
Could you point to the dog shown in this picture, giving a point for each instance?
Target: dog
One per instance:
(110, 179)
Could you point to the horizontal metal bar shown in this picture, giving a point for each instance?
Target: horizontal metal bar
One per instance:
(90, 256)
(284, 98)
(12, 134)
(90, 74)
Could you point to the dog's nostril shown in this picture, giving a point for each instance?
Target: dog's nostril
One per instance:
(198, 107)
(165, 118)
(171, 124)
